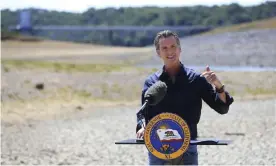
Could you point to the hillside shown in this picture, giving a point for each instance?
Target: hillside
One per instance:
(248, 44)
(269, 23)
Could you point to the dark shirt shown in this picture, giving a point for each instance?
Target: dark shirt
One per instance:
(184, 97)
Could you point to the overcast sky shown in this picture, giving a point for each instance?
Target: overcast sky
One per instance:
(82, 5)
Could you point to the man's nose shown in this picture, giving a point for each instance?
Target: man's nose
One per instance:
(170, 51)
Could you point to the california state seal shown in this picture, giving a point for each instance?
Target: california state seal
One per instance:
(167, 136)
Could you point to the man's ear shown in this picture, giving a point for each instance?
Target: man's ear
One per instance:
(158, 52)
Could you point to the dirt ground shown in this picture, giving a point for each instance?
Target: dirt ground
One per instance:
(72, 52)
(87, 136)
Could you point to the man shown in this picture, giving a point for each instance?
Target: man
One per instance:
(185, 91)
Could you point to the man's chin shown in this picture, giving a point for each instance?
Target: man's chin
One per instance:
(172, 62)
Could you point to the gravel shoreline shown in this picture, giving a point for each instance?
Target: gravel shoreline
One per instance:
(88, 137)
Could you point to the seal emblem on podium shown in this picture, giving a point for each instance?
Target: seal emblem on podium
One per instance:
(167, 136)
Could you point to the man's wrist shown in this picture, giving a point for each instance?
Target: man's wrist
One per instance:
(220, 89)
(142, 123)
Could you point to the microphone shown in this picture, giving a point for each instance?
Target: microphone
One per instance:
(155, 93)
(153, 96)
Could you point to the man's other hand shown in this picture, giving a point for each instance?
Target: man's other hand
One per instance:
(140, 133)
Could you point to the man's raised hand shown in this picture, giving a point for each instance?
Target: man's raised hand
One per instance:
(211, 77)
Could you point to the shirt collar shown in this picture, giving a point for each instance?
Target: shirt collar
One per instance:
(163, 75)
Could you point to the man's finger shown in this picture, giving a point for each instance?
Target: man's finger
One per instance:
(213, 74)
(208, 77)
(212, 78)
(207, 73)
(204, 74)
(207, 68)
(139, 134)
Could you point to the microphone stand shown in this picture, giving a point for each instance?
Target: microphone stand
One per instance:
(140, 113)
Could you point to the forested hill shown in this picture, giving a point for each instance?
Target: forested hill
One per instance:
(196, 15)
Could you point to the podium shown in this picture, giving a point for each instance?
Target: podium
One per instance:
(168, 136)
(200, 141)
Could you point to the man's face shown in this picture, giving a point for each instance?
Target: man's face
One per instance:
(169, 51)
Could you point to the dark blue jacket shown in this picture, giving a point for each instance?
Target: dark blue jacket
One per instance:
(184, 97)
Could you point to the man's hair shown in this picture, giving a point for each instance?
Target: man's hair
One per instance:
(165, 34)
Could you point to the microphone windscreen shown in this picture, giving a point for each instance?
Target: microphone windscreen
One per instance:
(156, 92)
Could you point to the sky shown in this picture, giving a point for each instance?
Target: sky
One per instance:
(83, 5)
